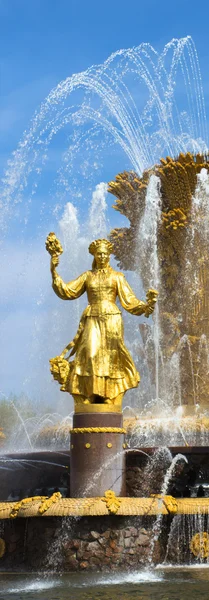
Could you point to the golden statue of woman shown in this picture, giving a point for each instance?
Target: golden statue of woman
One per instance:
(102, 369)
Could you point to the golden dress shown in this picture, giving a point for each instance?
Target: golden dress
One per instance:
(102, 365)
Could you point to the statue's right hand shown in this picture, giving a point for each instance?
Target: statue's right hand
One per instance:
(54, 262)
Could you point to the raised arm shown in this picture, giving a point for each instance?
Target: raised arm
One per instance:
(131, 303)
(67, 291)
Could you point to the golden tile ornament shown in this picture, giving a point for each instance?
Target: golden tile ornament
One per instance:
(199, 545)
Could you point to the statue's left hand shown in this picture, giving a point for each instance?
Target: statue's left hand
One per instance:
(148, 310)
(152, 296)
(151, 301)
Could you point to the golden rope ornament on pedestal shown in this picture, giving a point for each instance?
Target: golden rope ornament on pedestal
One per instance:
(2, 547)
(18, 505)
(98, 430)
(46, 502)
(79, 507)
(199, 545)
(112, 502)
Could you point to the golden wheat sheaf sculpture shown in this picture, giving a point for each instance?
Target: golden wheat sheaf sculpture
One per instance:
(183, 261)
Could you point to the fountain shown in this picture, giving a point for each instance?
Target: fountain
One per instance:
(99, 489)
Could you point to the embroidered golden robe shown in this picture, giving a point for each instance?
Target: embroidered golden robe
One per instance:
(102, 365)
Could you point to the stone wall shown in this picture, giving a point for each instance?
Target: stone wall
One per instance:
(109, 548)
(69, 544)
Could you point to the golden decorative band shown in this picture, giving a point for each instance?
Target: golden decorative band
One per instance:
(97, 408)
(98, 430)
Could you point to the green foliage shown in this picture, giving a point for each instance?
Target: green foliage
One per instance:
(14, 408)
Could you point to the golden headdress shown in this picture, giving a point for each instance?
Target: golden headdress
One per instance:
(97, 243)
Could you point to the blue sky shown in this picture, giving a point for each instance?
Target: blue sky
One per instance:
(41, 43)
(44, 41)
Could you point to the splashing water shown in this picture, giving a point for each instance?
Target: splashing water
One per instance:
(54, 554)
(147, 242)
(170, 472)
(97, 213)
(129, 102)
(100, 473)
(182, 530)
(22, 423)
(158, 523)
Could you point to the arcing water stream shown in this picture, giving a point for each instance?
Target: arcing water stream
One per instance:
(131, 99)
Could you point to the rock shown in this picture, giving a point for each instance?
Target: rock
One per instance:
(94, 561)
(119, 549)
(69, 553)
(115, 559)
(102, 542)
(113, 544)
(67, 545)
(128, 542)
(81, 549)
(108, 551)
(73, 563)
(93, 548)
(106, 534)
(95, 535)
(127, 533)
(106, 560)
(84, 565)
(74, 543)
(142, 540)
(134, 531)
(115, 534)
(144, 531)
(121, 539)
(87, 555)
